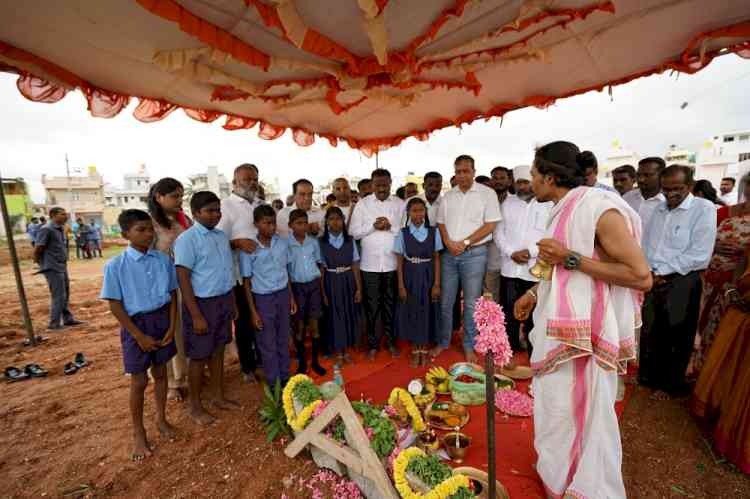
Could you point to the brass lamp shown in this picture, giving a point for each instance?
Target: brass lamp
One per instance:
(541, 270)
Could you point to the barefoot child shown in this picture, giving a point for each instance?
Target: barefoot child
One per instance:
(140, 285)
(304, 274)
(205, 271)
(268, 292)
(418, 310)
(341, 284)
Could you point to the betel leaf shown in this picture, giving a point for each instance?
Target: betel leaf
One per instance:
(306, 393)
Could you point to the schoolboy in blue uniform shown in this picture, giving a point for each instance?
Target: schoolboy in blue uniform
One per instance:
(205, 272)
(140, 286)
(304, 274)
(269, 294)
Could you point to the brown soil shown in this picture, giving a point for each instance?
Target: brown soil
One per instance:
(63, 433)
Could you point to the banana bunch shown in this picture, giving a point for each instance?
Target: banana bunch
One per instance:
(426, 397)
(438, 377)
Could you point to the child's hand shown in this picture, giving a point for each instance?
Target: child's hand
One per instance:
(257, 321)
(147, 343)
(292, 306)
(435, 293)
(358, 296)
(200, 325)
(402, 295)
(168, 338)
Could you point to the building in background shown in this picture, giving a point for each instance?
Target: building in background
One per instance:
(618, 155)
(133, 194)
(81, 196)
(721, 156)
(19, 204)
(678, 155)
(212, 181)
(272, 189)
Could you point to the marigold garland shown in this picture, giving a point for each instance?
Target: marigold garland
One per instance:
(441, 491)
(411, 408)
(297, 421)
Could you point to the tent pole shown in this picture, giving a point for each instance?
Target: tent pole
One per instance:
(16, 266)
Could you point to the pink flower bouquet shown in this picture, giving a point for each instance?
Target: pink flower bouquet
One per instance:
(490, 321)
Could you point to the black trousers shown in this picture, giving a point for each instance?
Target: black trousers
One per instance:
(244, 334)
(511, 289)
(379, 302)
(670, 321)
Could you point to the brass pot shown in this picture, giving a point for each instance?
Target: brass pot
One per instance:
(456, 453)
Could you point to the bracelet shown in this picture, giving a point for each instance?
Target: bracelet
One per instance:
(533, 294)
(729, 292)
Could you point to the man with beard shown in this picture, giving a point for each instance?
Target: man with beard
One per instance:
(500, 182)
(237, 223)
(678, 243)
(433, 187)
(303, 200)
(522, 183)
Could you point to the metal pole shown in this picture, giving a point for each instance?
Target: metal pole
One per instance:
(489, 372)
(71, 211)
(16, 266)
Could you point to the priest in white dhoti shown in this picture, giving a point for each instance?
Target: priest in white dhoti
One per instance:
(586, 309)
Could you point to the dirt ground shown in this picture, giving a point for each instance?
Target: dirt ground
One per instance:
(69, 436)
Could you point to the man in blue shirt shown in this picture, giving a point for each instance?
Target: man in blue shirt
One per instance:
(32, 229)
(51, 254)
(205, 269)
(678, 242)
(95, 238)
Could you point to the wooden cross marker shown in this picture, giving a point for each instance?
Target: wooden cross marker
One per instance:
(357, 456)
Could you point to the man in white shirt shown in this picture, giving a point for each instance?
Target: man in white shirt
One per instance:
(433, 186)
(647, 196)
(728, 194)
(303, 197)
(515, 238)
(678, 243)
(501, 181)
(467, 216)
(375, 223)
(237, 223)
(343, 193)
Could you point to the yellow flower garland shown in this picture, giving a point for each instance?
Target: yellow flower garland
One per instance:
(297, 421)
(411, 408)
(441, 491)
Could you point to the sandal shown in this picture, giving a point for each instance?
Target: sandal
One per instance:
(80, 361)
(37, 340)
(13, 374)
(347, 358)
(35, 371)
(70, 368)
(415, 359)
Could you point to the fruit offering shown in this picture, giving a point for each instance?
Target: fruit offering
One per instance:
(447, 415)
(440, 378)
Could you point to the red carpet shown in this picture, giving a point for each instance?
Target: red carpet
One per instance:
(515, 455)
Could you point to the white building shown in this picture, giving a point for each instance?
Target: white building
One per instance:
(133, 194)
(619, 155)
(212, 181)
(720, 155)
(679, 155)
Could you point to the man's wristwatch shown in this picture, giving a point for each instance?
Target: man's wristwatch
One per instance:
(467, 242)
(572, 261)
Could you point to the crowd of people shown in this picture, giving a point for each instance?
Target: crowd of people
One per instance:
(410, 267)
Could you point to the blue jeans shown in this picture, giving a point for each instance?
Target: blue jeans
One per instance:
(469, 269)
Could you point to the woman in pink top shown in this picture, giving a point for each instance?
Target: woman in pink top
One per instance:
(165, 207)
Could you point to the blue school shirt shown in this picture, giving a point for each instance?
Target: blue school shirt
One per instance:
(143, 282)
(337, 241)
(420, 234)
(206, 253)
(304, 259)
(267, 266)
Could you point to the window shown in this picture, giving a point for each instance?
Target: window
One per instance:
(729, 138)
(744, 156)
(744, 137)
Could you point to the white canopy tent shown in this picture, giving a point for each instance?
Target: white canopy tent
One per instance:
(368, 72)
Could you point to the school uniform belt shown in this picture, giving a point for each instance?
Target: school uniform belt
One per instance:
(339, 270)
(417, 260)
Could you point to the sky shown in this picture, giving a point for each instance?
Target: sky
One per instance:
(646, 116)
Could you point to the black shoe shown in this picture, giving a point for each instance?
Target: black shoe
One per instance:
(316, 367)
(55, 327)
(35, 371)
(301, 358)
(13, 374)
(70, 368)
(80, 361)
(73, 323)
